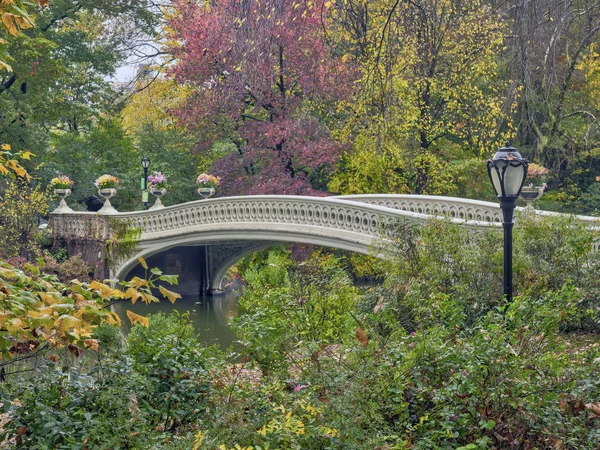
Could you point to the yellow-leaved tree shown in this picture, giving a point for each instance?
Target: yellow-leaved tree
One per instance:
(430, 91)
(36, 310)
(152, 103)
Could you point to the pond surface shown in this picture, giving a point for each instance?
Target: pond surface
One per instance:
(210, 315)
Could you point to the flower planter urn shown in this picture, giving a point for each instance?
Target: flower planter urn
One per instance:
(62, 205)
(107, 194)
(206, 192)
(531, 193)
(158, 193)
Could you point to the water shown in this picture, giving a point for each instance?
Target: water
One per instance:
(209, 315)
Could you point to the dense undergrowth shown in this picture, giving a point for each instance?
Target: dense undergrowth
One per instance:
(433, 358)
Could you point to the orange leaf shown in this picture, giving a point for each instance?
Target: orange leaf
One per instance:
(362, 337)
(91, 343)
(136, 318)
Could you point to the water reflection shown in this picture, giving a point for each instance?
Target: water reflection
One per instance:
(210, 315)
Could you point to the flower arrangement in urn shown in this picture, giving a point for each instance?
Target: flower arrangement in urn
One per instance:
(535, 183)
(536, 175)
(158, 182)
(207, 184)
(62, 182)
(106, 182)
(62, 189)
(158, 187)
(107, 185)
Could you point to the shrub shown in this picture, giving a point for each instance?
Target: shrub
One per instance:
(288, 310)
(20, 207)
(74, 268)
(169, 357)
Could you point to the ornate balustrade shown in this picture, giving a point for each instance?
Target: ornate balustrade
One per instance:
(363, 214)
(269, 213)
(350, 222)
(461, 208)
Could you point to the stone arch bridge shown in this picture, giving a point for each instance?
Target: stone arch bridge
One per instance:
(227, 229)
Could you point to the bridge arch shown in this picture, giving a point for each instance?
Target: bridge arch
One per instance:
(351, 223)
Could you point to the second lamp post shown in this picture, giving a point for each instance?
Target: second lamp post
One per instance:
(145, 165)
(507, 171)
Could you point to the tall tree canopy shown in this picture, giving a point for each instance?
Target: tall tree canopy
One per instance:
(429, 84)
(264, 79)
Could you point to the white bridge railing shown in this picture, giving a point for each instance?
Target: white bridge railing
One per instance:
(358, 218)
(361, 214)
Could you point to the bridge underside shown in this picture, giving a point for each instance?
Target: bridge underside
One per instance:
(201, 268)
(202, 260)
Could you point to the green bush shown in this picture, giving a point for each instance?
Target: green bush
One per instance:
(288, 309)
(169, 358)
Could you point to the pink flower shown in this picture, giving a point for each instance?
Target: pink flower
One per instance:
(452, 417)
(412, 344)
(412, 333)
(299, 387)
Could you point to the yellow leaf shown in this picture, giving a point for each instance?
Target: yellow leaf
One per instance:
(48, 298)
(9, 23)
(133, 294)
(27, 155)
(15, 325)
(67, 322)
(137, 282)
(113, 319)
(172, 296)
(6, 147)
(4, 316)
(23, 23)
(143, 262)
(136, 318)
(148, 298)
(105, 290)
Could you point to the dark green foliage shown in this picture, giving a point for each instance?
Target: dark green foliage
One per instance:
(133, 397)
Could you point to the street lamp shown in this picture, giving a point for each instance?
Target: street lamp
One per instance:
(145, 165)
(507, 171)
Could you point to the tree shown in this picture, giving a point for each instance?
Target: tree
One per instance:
(554, 68)
(263, 78)
(430, 91)
(60, 80)
(20, 207)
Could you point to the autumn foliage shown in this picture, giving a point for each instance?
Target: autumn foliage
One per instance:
(264, 78)
(36, 309)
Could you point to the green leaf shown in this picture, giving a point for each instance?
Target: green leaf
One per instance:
(171, 279)
(489, 424)
(156, 271)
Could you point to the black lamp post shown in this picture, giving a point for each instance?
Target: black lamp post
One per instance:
(145, 165)
(507, 171)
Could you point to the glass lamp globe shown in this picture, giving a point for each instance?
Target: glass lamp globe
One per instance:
(507, 171)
